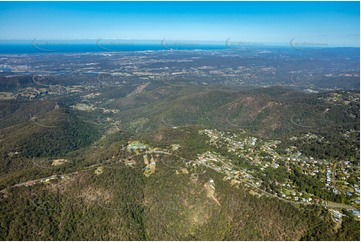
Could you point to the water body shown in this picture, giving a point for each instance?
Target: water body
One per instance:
(25, 47)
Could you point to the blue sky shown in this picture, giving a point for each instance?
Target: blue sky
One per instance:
(334, 23)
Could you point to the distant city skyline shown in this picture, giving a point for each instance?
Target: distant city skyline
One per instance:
(279, 23)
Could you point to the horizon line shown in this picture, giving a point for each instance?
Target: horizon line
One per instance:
(227, 42)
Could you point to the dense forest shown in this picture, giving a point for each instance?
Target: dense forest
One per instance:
(121, 204)
(101, 191)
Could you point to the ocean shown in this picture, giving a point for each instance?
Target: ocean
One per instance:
(24, 47)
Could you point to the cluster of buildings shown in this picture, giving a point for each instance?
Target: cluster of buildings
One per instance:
(343, 97)
(328, 176)
(255, 152)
